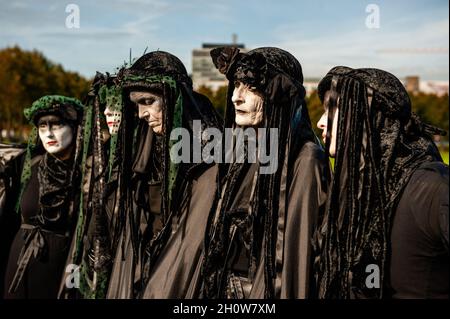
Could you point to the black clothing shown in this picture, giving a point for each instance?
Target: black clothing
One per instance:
(419, 240)
(39, 250)
(11, 158)
(259, 211)
(380, 143)
(157, 235)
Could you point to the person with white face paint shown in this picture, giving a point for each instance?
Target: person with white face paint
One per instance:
(56, 136)
(46, 201)
(168, 201)
(150, 108)
(113, 119)
(388, 198)
(258, 245)
(323, 124)
(248, 105)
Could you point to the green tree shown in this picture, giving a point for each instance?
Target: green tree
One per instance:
(432, 109)
(27, 75)
(217, 98)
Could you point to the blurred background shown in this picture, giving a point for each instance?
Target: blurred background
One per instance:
(55, 47)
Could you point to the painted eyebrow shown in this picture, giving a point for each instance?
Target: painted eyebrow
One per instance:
(50, 121)
(143, 99)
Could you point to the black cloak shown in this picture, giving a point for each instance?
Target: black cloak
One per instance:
(272, 215)
(380, 145)
(144, 251)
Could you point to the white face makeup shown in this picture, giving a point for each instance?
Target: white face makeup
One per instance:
(113, 119)
(323, 125)
(56, 136)
(150, 108)
(248, 105)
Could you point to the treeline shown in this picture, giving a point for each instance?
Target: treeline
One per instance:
(27, 75)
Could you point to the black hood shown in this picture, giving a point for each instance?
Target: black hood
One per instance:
(380, 143)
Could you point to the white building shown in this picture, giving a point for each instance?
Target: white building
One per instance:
(204, 73)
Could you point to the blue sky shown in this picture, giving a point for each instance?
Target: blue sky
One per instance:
(413, 38)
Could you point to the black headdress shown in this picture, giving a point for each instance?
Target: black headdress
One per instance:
(380, 143)
(277, 75)
(55, 182)
(165, 73)
(58, 179)
(98, 229)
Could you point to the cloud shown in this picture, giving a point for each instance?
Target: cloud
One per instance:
(318, 37)
(370, 48)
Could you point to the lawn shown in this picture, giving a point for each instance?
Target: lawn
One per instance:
(444, 155)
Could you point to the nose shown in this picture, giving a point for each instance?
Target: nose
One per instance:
(237, 97)
(322, 124)
(107, 112)
(143, 112)
(48, 131)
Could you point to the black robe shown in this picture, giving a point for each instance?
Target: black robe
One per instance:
(306, 197)
(419, 260)
(41, 250)
(176, 271)
(11, 158)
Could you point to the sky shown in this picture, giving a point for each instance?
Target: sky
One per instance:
(412, 37)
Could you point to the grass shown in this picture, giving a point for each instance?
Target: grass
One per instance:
(444, 155)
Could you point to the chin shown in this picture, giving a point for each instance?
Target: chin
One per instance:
(242, 122)
(53, 151)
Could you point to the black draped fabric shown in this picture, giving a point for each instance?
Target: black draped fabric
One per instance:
(419, 263)
(11, 157)
(151, 236)
(54, 186)
(176, 271)
(39, 250)
(46, 203)
(278, 255)
(380, 143)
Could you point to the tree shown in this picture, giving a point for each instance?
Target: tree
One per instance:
(217, 98)
(25, 76)
(432, 109)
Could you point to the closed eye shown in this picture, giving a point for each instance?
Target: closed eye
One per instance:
(146, 101)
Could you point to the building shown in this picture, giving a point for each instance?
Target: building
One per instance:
(414, 85)
(204, 73)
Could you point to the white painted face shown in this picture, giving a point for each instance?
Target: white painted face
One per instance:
(150, 108)
(113, 119)
(56, 136)
(323, 125)
(248, 105)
